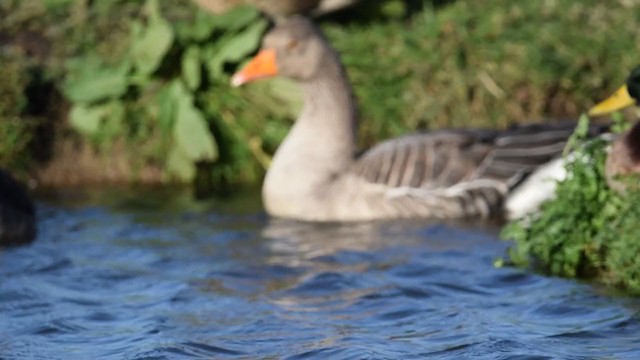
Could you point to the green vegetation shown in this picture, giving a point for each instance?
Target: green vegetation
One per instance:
(14, 131)
(487, 63)
(154, 75)
(143, 80)
(588, 230)
(151, 91)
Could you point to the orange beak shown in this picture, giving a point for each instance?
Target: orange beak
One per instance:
(261, 66)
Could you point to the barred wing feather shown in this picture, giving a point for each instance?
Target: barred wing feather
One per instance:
(473, 170)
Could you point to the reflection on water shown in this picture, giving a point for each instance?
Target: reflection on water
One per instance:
(159, 276)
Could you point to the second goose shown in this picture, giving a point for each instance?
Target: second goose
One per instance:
(316, 175)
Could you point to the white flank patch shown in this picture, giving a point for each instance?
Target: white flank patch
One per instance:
(537, 188)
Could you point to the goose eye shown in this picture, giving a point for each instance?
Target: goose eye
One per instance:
(292, 45)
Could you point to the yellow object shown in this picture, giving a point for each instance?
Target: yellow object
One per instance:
(619, 100)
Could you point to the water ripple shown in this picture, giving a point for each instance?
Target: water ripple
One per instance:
(138, 278)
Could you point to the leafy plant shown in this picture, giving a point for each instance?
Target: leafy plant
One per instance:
(144, 92)
(587, 230)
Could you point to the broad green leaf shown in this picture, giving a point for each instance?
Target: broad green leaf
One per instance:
(152, 43)
(94, 120)
(236, 18)
(192, 134)
(191, 67)
(234, 48)
(166, 104)
(168, 100)
(244, 43)
(90, 80)
(180, 166)
(200, 28)
(86, 119)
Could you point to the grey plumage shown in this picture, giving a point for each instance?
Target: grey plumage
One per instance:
(474, 170)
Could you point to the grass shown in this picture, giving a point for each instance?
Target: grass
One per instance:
(487, 63)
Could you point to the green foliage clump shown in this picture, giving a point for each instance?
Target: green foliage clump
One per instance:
(587, 230)
(152, 91)
(152, 75)
(15, 126)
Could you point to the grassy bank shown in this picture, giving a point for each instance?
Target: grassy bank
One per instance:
(588, 231)
(90, 80)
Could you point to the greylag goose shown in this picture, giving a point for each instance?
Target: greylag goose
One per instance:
(624, 156)
(17, 213)
(317, 176)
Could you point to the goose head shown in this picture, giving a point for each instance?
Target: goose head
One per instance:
(294, 48)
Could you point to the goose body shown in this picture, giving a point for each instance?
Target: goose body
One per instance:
(316, 174)
(17, 213)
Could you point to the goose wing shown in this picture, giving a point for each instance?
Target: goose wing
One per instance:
(473, 168)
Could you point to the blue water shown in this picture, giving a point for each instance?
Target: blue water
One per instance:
(157, 275)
